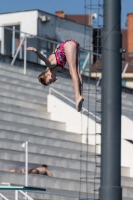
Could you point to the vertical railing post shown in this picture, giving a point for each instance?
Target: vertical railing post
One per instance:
(125, 69)
(26, 163)
(25, 54)
(85, 62)
(13, 41)
(25, 146)
(18, 49)
(16, 195)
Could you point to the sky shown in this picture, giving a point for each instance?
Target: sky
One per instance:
(68, 6)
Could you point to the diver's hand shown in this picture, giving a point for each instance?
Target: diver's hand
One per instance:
(31, 49)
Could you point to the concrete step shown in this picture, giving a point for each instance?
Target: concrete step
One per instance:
(24, 111)
(63, 90)
(22, 89)
(127, 192)
(7, 73)
(59, 172)
(56, 183)
(57, 194)
(22, 103)
(48, 150)
(23, 96)
(28, 88)
(20, 79)
(53, 194)
(25, 81)
(61, 141)
(33, 95)
(38, 131)
(127, 181)
(36, 158)
(55, 161)
(31, 76)
(16, 71)
(24, 119)
(47, 182)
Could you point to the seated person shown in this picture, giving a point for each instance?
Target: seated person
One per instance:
(43, 170)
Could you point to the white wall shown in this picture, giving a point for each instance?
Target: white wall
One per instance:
(27, 21)
(62, 29)
(75, 122)
(127, 147)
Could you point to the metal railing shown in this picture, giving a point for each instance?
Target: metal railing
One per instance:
(25, 37)
(1, 195)
(23, 40)
(16, 195)
(24, 193)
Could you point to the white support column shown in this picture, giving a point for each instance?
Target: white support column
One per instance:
(25, 146)
(2, 41)
(16, 194)
(26, 163)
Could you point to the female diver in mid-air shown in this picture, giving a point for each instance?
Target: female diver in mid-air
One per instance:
(67, 51)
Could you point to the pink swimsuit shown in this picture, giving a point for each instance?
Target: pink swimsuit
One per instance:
(60, 53)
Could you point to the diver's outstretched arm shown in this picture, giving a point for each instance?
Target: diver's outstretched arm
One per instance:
(41, 56)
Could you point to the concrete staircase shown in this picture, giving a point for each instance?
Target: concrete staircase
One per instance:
(24, 117)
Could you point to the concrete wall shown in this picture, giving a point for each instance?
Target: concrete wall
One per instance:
(62, 29)
(55, 28)
(64, 111)
(61, 110)
(27, 21)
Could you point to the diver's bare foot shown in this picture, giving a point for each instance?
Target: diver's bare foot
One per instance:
(23, 171)
(12, 170)
(79, 103)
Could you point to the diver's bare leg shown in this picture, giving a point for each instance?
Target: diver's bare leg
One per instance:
(71, 55)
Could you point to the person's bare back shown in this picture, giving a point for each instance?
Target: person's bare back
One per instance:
(43, 170)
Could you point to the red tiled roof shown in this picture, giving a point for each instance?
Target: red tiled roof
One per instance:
(125, 46)
(83, 19)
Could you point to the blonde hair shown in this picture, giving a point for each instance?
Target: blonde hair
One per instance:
(42, 78)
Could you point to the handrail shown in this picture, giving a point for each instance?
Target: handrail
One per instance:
(45, 39)
(85, 62)
(38, 37)
(18, 49)
(3, 196)
(28, 34)
(62, 95)
(26, 195)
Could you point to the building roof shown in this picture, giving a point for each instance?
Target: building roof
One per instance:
(74, 19)
(25, 11)
(129, 14)
(83, 19)
(125, 46)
